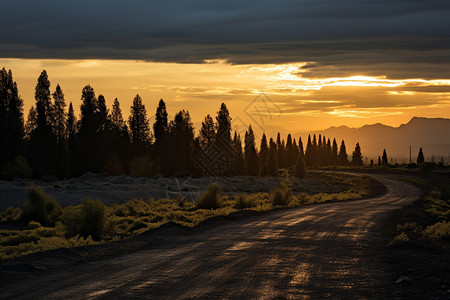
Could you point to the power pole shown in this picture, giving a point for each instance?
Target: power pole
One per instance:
(410, 161)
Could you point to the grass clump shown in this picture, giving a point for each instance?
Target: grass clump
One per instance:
(85, 220)
(40, 207)
(244, 201)
(398, 240)
(282, 195)
(440, 230)
(210, 199)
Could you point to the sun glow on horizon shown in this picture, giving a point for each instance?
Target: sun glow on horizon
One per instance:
(200, 88)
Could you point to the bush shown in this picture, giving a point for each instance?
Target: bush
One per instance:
(19, 167)
(210, 198)
(244, 201)
(142, 166)
(440, 230)
(10, 214)
(399, 240)
(85, 220)
(280, 196)
(40, 207)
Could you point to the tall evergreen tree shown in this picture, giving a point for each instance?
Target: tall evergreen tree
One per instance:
(334, 153)
(207, 133)
(59, 114)
(357, 156)
(309, 153)
(420, 157)
(238, 164)
(263, 156)
(181, 148)
(272, 163)
(138, 122)
(251, 157)
(116, 115)
(11, 119)
(379, 160)
(223, 125)
(103, 112)
(281, 155)
(160, 125)
(43, 101)
(384, 158)
(300, 146)
(71, 123)
(31, 124)
(343, 157)
(43, 147)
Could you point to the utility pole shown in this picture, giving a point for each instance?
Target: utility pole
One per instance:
(410, 161)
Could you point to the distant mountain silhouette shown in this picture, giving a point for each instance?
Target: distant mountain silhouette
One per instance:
(432, 134)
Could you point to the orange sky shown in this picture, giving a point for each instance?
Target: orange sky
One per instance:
(290, 102)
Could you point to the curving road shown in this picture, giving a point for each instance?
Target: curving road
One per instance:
(327, 250)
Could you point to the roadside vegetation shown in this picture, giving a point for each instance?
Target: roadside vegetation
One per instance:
(435, 204)
(41, 224)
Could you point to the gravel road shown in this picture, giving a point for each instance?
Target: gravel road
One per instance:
(329, 250)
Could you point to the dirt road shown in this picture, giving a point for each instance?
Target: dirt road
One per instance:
(327, 250)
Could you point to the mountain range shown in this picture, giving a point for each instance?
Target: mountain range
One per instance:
(432, 134)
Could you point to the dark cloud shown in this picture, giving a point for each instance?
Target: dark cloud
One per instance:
(406, 38)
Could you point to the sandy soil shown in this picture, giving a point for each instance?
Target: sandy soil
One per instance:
(322, 251)
(119, 189)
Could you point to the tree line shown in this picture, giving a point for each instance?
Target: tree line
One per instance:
(54, 142)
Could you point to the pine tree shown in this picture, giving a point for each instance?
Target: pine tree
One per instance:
(251, 157)
(357, 156)
(223, 126)
(160, 125)
(238, 165)
(43, 101)
(263, 156)
(281, 157)
(272, 164)
(291, 152)
(31, 124)
(420, 157)
(334, 153)
(384, 158)
(116, 115)
(207, 133)
(181, 148)
(379, 160)
(102, 112)
(300, 167)
(11, 119)
(329, 153)
(300, 146)
(71, 123)
(88, 108)
(343, 158)
(138, 123)
(309, 153)
(59, 114)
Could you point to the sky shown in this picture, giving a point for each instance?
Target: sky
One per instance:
(278, 65)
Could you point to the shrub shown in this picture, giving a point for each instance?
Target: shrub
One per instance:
(210, 198)
(440, 230)
(85, 220)
(280, 196)
(399, 240)
(11, 214)
(40, 207)
(244, 201)
(142, 166)
(19, 167)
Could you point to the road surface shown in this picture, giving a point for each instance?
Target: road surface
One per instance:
(327, 250)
